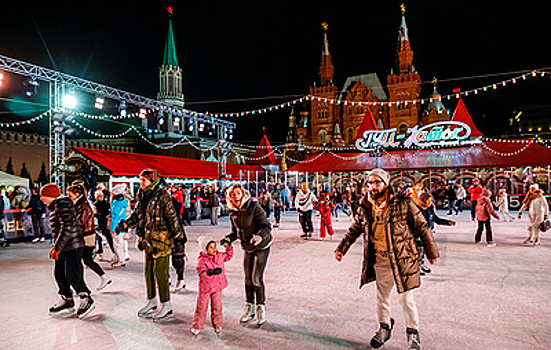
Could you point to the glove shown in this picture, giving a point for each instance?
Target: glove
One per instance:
(141, 244)
(225, 242)
(54, 254)
(256, 240)
(215, 271)
(121, 227)
(519, 216)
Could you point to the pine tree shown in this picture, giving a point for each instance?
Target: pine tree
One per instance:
(24, 172)
(9, 167)
(42, 176)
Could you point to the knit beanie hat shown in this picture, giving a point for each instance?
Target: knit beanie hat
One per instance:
(50, 190)
(150, 174)
(385, 177)
(204, 242)
(118, 189)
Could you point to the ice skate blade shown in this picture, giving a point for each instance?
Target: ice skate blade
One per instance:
(64, 312)
(92, 307)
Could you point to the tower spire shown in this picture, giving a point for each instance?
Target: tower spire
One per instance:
(170, 74)
(326, 67)
(405, 55)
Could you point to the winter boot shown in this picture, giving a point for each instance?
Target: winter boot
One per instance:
(414, 342)
(166, 309)
(195, 331)
(218, 330)
(260, 314)
(86, 305)
(65, 304)
(382, 335)
(249, 313)
(105, 282)
(149, 307)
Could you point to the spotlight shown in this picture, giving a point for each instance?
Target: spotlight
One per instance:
(70, 101)
(176, 121)
(201, 127)
(99, 102)
(143, 113)
(190, 125)
(122, 109)
(160, 119)
(32, 87)
(1, 78)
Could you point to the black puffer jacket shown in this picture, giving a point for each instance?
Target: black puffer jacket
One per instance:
(247, 221)
(65, 225)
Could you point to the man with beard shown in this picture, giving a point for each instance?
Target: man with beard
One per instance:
(387, 222)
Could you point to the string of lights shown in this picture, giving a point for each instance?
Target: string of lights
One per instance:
(100, 135)
(507, 154)
(25, 122)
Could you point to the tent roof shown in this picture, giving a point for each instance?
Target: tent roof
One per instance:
(264, 154)
(131, 164)
(368, 123)
(489, 154)
(12, 180)
(462, 115)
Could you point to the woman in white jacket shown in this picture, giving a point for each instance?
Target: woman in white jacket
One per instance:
(304, 202)
(538, 210)
(503, 205)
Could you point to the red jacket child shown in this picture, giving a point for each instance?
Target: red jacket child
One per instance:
(324, 206)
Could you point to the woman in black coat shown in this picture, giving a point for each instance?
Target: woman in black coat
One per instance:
(250, 224)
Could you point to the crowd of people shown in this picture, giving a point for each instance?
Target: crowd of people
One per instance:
(396, 226)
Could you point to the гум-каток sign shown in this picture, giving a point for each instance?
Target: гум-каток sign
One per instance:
(436, 134)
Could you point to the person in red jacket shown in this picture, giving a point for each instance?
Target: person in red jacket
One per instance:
(484, 212)
(325, 207)
(475, 191)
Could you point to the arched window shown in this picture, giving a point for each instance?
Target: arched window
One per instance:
(402, 129)
(322, 135)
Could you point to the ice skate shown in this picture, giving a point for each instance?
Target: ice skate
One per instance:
(249, 313)
(491, 244)
(382, 335)
(36, 240)
(528, 241)
(304, 236)
(66, 305)
(42, 239)
(86, 305)
(149, 307)
(105, 282)
(414, 342)
(260, 314)
(195, 331)
(166, 309)
(218, 330)
(537, 243)
(180, 285)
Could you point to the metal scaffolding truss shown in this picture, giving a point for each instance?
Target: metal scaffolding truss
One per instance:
(22, 68)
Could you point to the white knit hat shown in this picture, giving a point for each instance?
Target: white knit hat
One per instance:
(380, 173)
(118, 189)
(204, 242)
(535, 186)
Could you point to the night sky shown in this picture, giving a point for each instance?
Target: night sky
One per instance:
(232, 50)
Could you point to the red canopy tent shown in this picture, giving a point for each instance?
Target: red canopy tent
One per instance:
(368, 123)
(488, 154)
(264, 154)
(462, 115)
(131, 164)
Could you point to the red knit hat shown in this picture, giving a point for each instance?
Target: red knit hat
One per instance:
(50, 190)
(150, 174)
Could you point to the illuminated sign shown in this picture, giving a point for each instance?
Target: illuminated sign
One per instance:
(436, 134)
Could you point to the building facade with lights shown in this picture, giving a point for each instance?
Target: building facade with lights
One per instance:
(336, 114)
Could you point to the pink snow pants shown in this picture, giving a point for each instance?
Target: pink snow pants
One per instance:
(202, 308)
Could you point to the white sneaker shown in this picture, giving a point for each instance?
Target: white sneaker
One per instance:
(41, 239)
(105, 282)
(249, 313)
(166, 309)
(491, 244)
(260, 314)
(537, 243)
(36, 240)
(149, 307)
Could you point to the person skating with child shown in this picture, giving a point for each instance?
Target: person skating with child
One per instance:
(538, 209)
(212, 280)
(250, 225)
(325, 207)
(484, 212)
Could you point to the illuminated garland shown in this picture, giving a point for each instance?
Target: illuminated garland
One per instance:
(25, 122)
(100, 135)
(501, 154)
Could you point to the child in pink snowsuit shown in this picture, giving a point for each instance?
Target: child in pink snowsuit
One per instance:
(325, 207)
(212, 279)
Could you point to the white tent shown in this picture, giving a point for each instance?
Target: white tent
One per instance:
(12, 180)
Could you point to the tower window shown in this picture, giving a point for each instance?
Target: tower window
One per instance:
(322, 136)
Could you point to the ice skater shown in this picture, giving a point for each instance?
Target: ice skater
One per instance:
(250, 224)
(68, 244)
(503, 205)
(388, 221)
(118, 213)
(304, 202)
(325, 207)
(484, 212)
(212, 280)
(538, 209)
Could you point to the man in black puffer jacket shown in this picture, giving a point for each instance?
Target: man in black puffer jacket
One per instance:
(66, 251)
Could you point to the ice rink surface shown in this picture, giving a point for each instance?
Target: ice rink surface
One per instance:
(477, 297)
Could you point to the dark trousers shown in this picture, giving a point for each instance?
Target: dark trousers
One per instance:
(459, 204)
(481, 225)
(473, 209)
(88, 260)
(38, 225)
(102, 225)
(305, 219)
(186, 217)
(254, 264)
(277, 213)
(266, 210)
(451, 206)
(68, 273)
